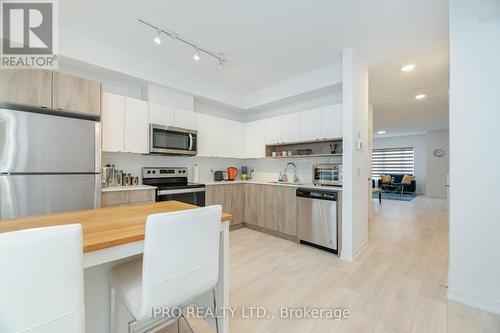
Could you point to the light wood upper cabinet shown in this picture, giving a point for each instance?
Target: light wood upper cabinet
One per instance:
(113, 122)
(136, 126)
(26, 86)
(76, 94)
(286, 202)
(185, 119)
(205, 128)
(161, 114)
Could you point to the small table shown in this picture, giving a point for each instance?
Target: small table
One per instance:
(393, 188)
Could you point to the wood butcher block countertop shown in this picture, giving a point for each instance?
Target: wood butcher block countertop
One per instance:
(103, 227)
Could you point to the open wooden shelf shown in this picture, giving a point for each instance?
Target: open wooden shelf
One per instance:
(305, 156)
(319, 148)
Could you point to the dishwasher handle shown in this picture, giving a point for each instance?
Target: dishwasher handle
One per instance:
(316, 194)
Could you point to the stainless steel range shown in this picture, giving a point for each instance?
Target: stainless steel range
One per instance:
(172, 184)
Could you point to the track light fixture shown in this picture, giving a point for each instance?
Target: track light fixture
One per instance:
(157, 38)
(198, 49)
(196, 56)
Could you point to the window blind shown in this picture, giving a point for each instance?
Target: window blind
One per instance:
(392, 161)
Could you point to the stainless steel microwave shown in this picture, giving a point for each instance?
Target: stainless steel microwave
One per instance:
(327, 174)
(169, 140)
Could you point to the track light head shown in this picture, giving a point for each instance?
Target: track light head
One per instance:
(196, 56)
(157, 38)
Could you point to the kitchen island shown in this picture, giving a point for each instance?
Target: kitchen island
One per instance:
(112, 236)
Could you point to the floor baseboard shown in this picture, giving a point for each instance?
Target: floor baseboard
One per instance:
(474, 300)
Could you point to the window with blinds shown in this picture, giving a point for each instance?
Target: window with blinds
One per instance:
(392, 161)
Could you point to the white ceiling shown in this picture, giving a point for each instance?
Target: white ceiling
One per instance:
(270, 41)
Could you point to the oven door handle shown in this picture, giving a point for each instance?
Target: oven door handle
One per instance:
(180, 191)
(190, 142)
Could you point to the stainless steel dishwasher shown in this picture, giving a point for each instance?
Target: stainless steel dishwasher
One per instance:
(318, 216)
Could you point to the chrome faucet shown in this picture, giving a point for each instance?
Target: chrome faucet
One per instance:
(295, 177)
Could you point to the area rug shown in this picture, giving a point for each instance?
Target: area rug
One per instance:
(396, 196)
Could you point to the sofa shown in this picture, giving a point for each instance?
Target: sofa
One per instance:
(397, 178)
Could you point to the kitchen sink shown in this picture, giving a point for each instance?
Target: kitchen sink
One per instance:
(285, 183)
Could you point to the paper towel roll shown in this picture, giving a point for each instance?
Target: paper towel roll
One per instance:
(196, 173)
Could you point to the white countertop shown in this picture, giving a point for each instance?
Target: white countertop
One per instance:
(305, 185)
(127, 188)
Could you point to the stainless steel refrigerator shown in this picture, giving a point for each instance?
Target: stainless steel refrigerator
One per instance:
(48, 163)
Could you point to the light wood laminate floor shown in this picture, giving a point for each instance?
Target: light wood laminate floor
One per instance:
(397, 285)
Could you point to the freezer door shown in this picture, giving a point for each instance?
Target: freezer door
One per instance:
(24, 195)
(40, 143)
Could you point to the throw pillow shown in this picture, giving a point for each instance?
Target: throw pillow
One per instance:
(407, 179)
(386, 178)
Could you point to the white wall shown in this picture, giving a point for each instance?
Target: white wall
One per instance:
(170, 97)
(269, 169)
(419, 144)
(474, 271)
(355, 162)
(437, 168)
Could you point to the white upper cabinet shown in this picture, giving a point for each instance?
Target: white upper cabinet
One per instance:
(310, 124)
(254, 139)
(205, 128)
(136, 126)
(290, 127)
(161, 114)
(272, 130)
(236, 139)
(221, 137)
(113, 122)
(331, 121)
(185, 118)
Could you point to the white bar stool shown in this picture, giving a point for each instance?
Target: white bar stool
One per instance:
(41, 280)
(180, 262)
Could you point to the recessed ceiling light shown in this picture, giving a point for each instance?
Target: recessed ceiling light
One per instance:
(420, 96)
(381, 132)
(408, 68)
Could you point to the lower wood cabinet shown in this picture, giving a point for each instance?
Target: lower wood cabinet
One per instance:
(286, 207)
(127, 197)
(254, 208)
(230, 196)
(272, 207)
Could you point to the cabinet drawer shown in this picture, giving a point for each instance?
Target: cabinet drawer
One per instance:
(142, 196)
(115, 198)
